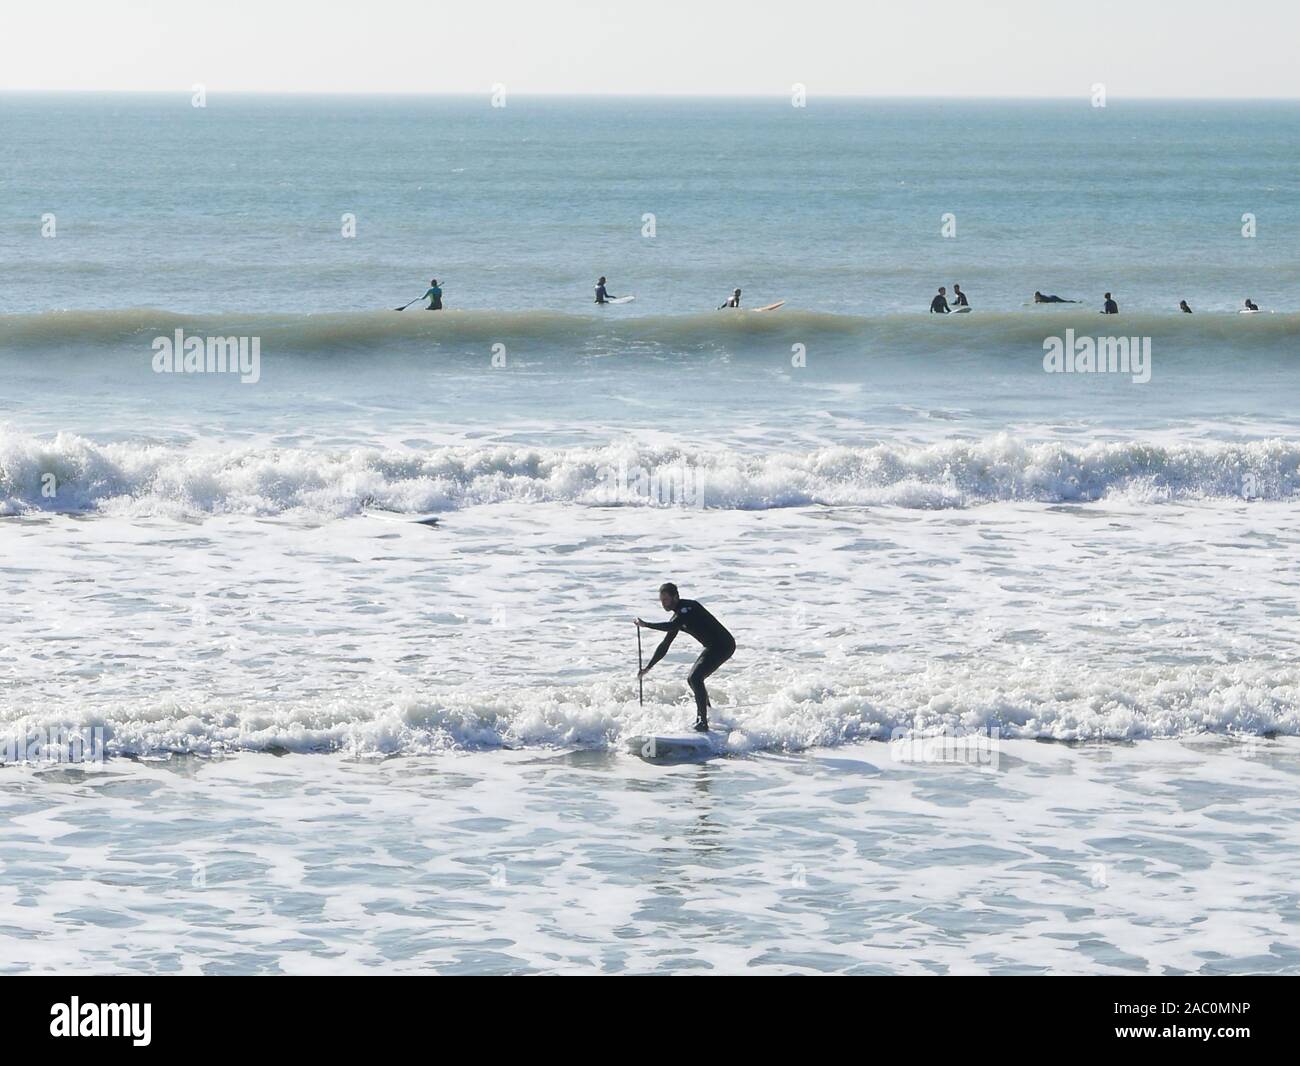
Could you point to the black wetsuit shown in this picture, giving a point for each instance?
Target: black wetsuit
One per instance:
(939, 305)
(719, 646)
(962, 301)
(601, 295)
(1111, 308)
(1053, 300)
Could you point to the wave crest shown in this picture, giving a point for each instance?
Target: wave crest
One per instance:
(72, 474)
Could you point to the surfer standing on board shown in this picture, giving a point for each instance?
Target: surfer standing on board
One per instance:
(719, 644)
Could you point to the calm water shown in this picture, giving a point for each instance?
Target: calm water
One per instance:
(835, 207)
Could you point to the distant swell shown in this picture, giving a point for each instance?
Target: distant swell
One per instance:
(622, 329)
(72, 474)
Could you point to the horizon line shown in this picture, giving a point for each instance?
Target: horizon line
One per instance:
(469, 94)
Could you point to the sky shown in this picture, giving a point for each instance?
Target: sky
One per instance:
(1052, 48)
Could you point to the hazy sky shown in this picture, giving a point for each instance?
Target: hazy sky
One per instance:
(943, 47)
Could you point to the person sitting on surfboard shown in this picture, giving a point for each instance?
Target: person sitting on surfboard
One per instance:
(1251, 305)
(1182, 306)
(958, 297)
(732, 301)
(1039, 298)
(1110, 307)
(434, 296)
(602, 297)
(939, 305)
(719, 644)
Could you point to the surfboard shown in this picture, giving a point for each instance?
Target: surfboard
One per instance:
(1251, 311)
(620, 299)
(397, 516)
(770, 307)
(678, 747)
(964, 309)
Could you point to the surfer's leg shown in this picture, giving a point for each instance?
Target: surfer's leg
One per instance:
(710, 659)
(703, 668)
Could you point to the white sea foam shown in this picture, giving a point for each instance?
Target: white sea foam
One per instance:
(509, 627)
(144, 479)
(765, 711)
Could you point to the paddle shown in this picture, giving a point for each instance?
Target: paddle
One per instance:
(640, 681)
(405, 306)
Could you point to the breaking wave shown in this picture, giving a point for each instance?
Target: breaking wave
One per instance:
(72, 474)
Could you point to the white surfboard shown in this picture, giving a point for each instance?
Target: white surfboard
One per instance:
(770, 307)
(678, 747)
(398, 516)
(620, 299)
(1251, 311)
(964, 309)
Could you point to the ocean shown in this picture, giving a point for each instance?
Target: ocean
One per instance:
(348, 740)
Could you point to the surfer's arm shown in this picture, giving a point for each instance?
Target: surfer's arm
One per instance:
(664, 645)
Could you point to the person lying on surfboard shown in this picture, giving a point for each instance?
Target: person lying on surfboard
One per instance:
(1039, 298)
(732, 301)
(939, 305)
(690, 617)
(602, 297)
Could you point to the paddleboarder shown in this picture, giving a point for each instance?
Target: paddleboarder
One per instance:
(690, 617)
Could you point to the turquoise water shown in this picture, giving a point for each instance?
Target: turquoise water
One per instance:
(835, 207)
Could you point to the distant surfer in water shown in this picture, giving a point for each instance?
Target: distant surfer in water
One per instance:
(1182, 306)
(602, 297)
(1251, 305)
(732, 301)
(939, 305)
(1039, 298)
(719, 644)
(1110, 307)
(434, 296)
(958, 297)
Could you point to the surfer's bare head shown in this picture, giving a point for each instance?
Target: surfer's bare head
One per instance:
(668, 596)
